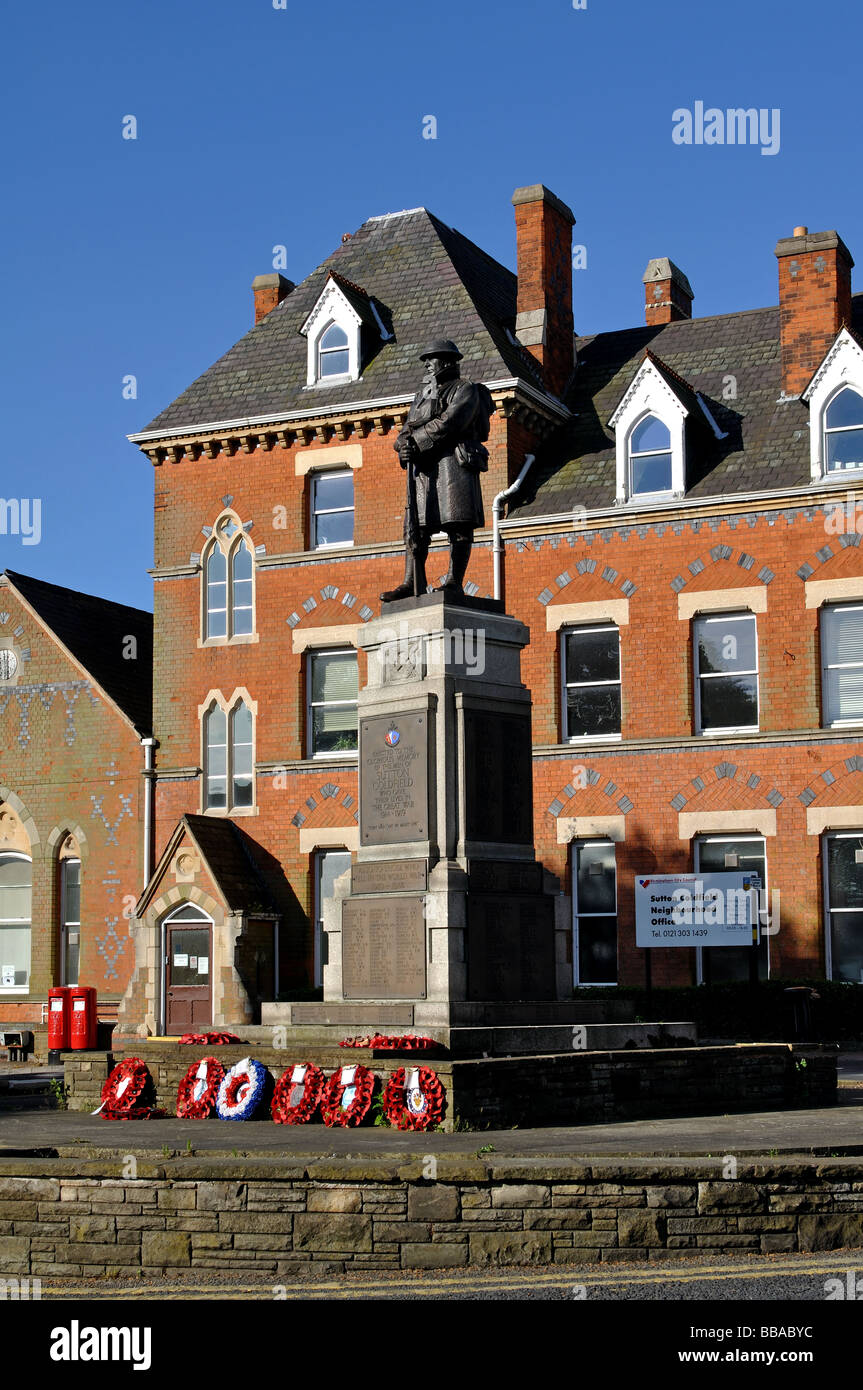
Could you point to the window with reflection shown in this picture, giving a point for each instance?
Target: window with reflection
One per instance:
(726, 672)
(332, 508)
(591, 682)
(333, 689)
(734, 854)
(842, 663)
(844, 891)
(229, 774)
(333, 352)
(594, 912)
(843, 431)
(650, 457)
(229, 597)
(16, 877)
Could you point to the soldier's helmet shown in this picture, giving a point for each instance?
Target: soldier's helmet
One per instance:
(444, 347)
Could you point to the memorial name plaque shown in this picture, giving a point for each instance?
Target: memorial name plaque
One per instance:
(390, 876)
(383, 948)
(394, 779)
(498, 773)
(510, 947)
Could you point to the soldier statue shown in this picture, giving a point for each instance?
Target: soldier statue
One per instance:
(442, 448)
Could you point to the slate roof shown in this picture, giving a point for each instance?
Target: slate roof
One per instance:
(427, 281)
(224, 848)
(95, 630)
(767, 444)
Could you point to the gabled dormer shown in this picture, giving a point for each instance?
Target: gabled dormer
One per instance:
(835, 400)
(658, 419)
(337, 331)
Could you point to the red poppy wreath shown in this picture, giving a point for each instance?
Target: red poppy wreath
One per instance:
(297, 1094)
(197, 1092)
(347, 1096)
(414, 1099)
(128, 1093)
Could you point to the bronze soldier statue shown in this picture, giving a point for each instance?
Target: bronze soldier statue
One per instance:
(442, 448)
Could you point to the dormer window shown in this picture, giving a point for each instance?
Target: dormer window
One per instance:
(843, 431)
(333, 352)
(650, 457)
(650, 434)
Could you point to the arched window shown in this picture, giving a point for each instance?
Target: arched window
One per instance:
(216, 770)
(16, 877)
(70, 910)
(217, 592)
(333, 353)
(241, 590)
(843, 431)
(650, 457)
(229, 597)
(229, 773)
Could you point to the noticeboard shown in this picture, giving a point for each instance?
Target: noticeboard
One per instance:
(718, 909)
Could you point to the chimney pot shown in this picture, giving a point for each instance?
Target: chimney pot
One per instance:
(801, 231)
(269, 290)
(544, 323)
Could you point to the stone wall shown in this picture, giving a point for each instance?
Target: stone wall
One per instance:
(64, 1218)
(561, 1089)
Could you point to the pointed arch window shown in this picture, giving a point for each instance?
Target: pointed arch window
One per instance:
(650, 457)
(229, 584)
(16, 872)
(229, 761)
(333, 352)
(843, 431)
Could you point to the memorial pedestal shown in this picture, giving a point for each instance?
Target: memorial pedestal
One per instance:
(446, 902)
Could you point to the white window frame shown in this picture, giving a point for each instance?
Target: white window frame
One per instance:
(648, 453)
(315, 478)
(719, 837)
(311, 704)
(228, 546)
(7, 990)
(825, 892)
(575, 845)
(332, 307)
(570, 631)
(825, 611)
(649, 394)
(724, 730)
(227, 709)
(842, 366)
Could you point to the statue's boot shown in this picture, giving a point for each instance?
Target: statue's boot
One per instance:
(414, 562)
(459, 555)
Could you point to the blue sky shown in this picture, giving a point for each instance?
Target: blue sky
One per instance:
(259, 126)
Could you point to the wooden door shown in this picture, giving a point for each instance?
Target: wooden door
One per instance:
(189, 1006)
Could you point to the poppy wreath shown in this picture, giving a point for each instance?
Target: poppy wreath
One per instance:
(128, 1093)
(209, 1039)
(415, 1099)
(197, 1092)
(297, 1094)
(241, 1090)
(347, 1096)
(388, 1042)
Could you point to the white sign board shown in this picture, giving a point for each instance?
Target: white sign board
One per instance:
(719, 909)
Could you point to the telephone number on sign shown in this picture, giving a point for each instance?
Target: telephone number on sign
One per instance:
(678, 932)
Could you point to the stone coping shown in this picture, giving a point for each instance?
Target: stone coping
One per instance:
(108, 1168)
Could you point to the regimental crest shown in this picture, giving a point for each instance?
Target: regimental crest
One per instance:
(392, 736)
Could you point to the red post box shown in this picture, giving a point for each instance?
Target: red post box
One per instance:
(82, 1023)
(58, 1018)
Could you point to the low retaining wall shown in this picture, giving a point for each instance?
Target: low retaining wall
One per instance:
(66, 1218)
(561, 1089)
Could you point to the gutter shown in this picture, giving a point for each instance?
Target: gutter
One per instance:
(149, 775)
(497, 511)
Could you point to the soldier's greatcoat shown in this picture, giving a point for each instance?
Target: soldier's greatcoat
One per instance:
(447, 421)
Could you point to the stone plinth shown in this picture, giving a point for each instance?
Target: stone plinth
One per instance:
(446, 902)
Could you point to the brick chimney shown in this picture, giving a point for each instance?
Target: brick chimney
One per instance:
(667, 293)
(544, 324)
(814, 301)
(269, 290)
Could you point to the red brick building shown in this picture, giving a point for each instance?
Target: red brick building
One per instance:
(683, 548)
(75, 706)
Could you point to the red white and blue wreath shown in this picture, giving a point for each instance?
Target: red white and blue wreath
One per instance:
(347, 1096)
(197, 1092)
(241, 1090)
(414, 1099)
(297, 1094)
